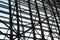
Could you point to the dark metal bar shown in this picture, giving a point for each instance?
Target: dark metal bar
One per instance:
(50, 31)
(57, 15)
(11, 32)
(4, 34)
(18, 28)
(54, 14)
(39, 20)
(22, 25)
(33, 27)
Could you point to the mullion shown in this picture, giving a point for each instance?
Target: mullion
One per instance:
(18, 28)
(11, 32)
(50, 31)
(39, 20)
(22, 26)
(54, 14)
(33, 27)
(57, 14)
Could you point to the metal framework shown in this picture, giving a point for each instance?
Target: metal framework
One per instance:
(29, 20)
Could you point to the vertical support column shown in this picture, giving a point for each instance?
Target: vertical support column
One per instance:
(50, 31)
(22, 27)
(23, 32)
(39, 20)
(55, 13)
(33, 28)
(18, 28)
(11, 24)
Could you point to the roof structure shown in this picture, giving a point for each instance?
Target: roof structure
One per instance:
(29, 20)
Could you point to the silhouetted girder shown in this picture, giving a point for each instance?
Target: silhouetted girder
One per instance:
(50, 31)
(6, 25)
(4, 34)
(54, 15)
(23, 25)
(57, 14)
(11, 25)
(33, 27)
(3, 28)
(22, 21)
(43, 38)
(18, 28)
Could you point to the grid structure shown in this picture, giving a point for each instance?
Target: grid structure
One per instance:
(29, 20)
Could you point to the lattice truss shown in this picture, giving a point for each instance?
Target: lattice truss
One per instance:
(29, 20)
